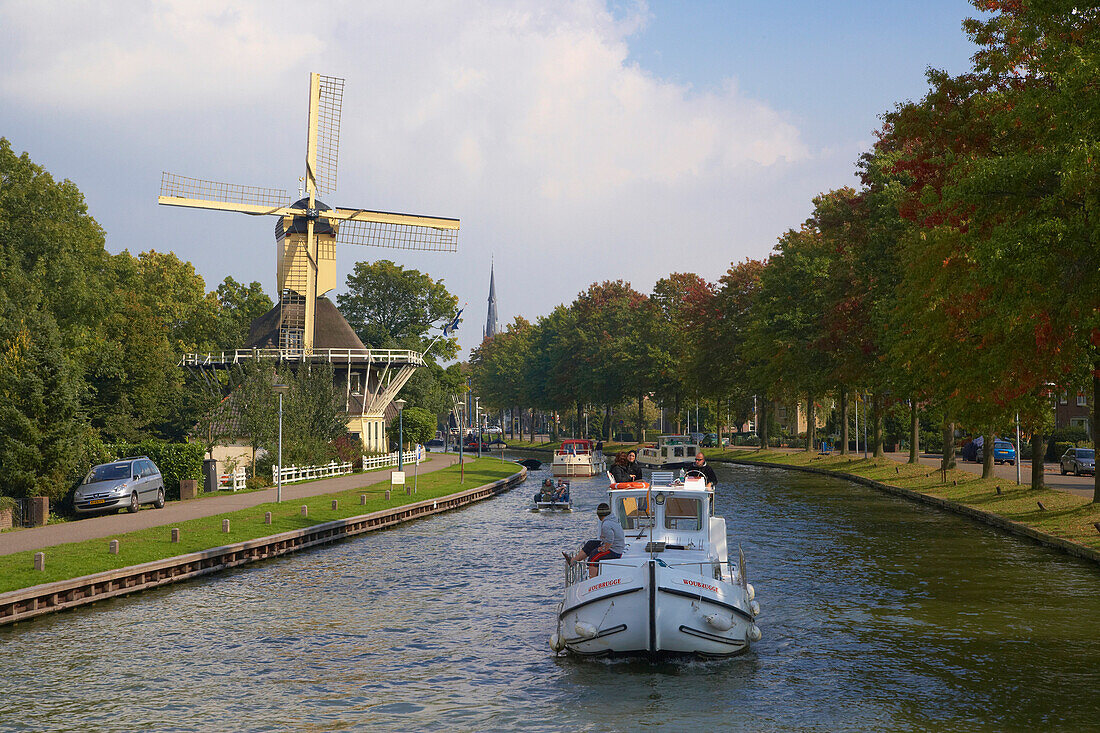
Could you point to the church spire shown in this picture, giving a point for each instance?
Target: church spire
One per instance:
(491, 326)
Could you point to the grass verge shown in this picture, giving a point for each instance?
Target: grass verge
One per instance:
(84, 558)
(1068, 516)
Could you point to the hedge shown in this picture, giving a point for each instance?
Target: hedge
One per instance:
(176, 461)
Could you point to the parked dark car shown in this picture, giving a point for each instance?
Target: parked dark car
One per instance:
(128, 484)
(434, 444)
(1078, 460)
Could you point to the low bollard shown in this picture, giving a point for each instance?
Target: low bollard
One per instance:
(335, 504)
(267, 517)
(408, 491)
(225, 525)
(175, 534)
(305, 510)
(998, 491)
(39, 561)
(112, 547)
(387, 494)
(362, 499)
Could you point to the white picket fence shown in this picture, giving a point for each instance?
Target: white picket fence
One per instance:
(306, 473)
(390, 459)
(233, 481)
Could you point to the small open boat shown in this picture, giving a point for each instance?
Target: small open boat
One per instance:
(554, 497)
(675, 590)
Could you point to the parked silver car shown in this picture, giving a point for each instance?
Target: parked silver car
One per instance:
(128, 484)
(1078, 460)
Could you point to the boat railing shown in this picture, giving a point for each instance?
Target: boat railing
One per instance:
(708, 567)
(577, 572)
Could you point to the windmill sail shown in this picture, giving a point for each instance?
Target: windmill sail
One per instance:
(200, 193)
(397, 236)
(328, 132)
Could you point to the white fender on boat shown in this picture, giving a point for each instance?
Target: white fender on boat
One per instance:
(585, 629)
(755, 608)
(720, 621)
(754, 633)
(556, 643)
(751, 590)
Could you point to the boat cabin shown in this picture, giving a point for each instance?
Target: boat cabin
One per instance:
(676, 517)
(575, 447)
(669, 450)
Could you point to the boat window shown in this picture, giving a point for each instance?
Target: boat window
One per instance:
(691, 450)
(664, 452)
(678, 452)
(632, 512)
(683, 513)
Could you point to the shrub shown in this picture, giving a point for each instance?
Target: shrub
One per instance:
(256, 482)
(1059, 448)
(176, 461)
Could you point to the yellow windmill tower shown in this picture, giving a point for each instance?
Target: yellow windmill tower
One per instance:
(307, 232)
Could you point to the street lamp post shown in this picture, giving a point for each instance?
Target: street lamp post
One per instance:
(400, 404)
(1018, 451)
(477, 422)
(280, 389)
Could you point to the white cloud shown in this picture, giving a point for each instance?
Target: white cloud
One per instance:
(524, 118)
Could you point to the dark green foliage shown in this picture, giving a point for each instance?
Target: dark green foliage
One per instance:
(419, 426)
(40, 425)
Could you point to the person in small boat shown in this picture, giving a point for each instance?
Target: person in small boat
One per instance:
(701, 466)
(547, 491)
(620, 470)
(562, 492)
(610, 545)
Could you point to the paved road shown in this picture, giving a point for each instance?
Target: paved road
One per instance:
(175, 512)
(1052, 476)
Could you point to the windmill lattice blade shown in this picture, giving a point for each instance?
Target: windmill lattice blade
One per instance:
(197, 188)
(397, 236)
(328, 133)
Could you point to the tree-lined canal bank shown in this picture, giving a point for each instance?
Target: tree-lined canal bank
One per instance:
(878, 614)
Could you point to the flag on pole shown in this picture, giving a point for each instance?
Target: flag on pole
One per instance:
(453, 325)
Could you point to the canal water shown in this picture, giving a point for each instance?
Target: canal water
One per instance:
(877, 614)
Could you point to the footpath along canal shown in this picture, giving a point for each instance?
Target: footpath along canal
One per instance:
(878, 614)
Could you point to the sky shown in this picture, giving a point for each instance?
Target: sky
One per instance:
(577, 141)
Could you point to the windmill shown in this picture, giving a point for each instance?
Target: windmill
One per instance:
(308, 230)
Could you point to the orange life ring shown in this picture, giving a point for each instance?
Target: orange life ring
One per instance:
(630, 485)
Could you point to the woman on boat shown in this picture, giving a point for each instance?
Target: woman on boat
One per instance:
(620, 470)
(633, 467)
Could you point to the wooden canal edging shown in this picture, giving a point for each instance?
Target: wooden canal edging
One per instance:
(993, 520)
(27, 603)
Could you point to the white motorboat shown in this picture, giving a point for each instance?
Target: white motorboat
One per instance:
(577, 458)
(674, 590)
(668, 452)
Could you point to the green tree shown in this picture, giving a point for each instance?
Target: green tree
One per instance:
(41, 430)
(238, 306)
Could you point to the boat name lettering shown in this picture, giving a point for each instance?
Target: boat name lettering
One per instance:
(605, 584)
(697, 584)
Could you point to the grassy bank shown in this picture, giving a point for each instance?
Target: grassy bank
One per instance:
(84, 558)
(1067, 516)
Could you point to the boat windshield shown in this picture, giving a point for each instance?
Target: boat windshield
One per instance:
(633, 512)
(684, 513)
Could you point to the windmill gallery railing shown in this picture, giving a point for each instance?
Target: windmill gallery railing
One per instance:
(334, 356)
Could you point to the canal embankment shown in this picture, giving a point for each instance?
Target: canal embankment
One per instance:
(84, 572)
(1057, 519)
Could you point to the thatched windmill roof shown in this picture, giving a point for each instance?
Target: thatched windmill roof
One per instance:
(331, 329)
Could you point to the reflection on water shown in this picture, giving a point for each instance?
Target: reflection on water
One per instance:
(877, 614)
